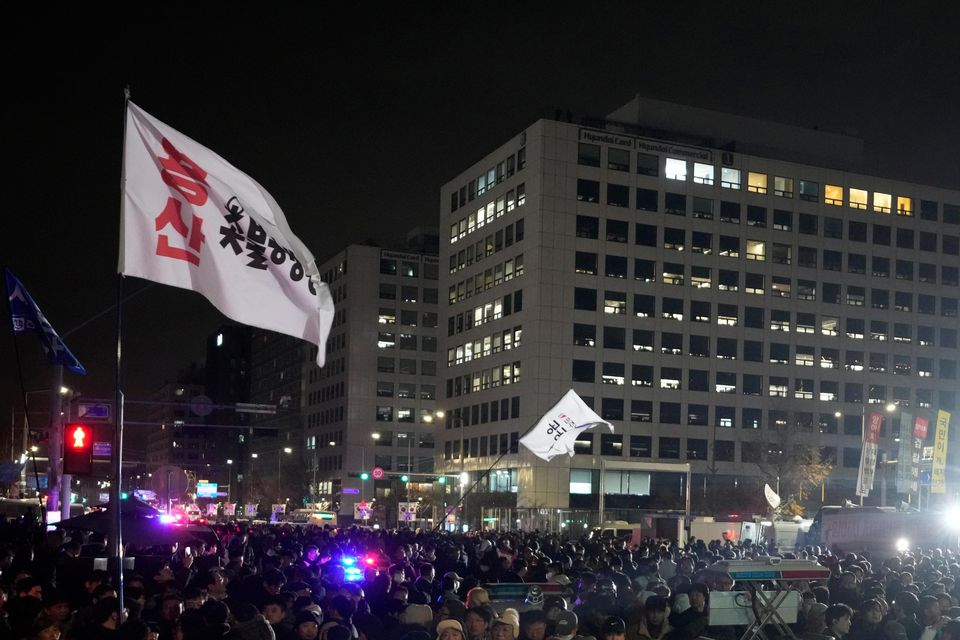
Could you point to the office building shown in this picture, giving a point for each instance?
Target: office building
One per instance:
(372, 405)
(715, 286)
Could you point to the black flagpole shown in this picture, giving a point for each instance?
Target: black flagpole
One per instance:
(23, 392)
(483, 475)
(117, 542)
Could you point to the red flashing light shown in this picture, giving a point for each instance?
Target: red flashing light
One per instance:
(80, 436)
(369, 561)
(78, 449)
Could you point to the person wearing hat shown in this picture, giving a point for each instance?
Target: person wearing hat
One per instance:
(450, 586)
(507, 626)
(306, 626)
(614, 628)
(450, 630)
(566, 626)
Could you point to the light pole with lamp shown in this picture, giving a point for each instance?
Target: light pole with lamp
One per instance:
(286, 450)
(884, 462)
(229, 480)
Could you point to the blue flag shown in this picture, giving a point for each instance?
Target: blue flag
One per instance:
(27, 317)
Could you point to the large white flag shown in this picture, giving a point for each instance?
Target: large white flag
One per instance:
(557, 430)
(192, 220)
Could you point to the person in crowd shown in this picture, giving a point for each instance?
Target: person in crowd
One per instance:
(838, 619)
(477, 622)
(653, 624)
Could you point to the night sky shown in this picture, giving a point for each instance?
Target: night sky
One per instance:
(353, 121)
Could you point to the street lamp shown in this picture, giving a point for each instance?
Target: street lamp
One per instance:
(229, 480)
(288, 451)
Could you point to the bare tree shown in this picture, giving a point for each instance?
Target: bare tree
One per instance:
(792, 463)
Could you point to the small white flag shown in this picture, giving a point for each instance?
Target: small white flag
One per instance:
(192, 220)
(557, 430)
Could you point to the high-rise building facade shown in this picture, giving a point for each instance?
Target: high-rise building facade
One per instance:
(372, 406)
(714, 286)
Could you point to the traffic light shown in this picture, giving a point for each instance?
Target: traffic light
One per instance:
(78, 449)
(364, 475)
(442, 479)
(404, 478)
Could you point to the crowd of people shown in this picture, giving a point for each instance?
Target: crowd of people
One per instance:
(285, 582)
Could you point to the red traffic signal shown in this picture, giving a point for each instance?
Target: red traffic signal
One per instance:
(78, 449)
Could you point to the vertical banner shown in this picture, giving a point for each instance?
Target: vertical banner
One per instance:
(904, 458)
(919, 435)
(938, 480)
(868, 456)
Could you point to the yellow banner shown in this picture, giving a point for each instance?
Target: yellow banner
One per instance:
(938, 480)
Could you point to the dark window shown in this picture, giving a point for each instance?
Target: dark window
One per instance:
(611, 409)
(670, 413)
(618, 159)
(951, 245)
(669, 448)
(856, 263)
(730, 212)
(584, 335)
(618, 195)
(928, 241)
(588, 190)
(928, 210)
(881, 234)
(880, 267)
(646, 235)
(696, 449)
(906, 239)
(904, 270)
(648, 165)
(585, 299)
(616, 267)
(614, 337)
(647, 199)
(728, 280)
(588, 227)
(723, 450)
(585, 262)
(857, 231)
(808, 224)
(698, 380)
(833, 228)
(832, 260)
(640, 447)
(645, 270)
(611, 444)
(831, 293)
(584, 371)
(698, 415)
(753, 317)
(752, 351)
(641, 411)
(951, 213)
(756, 216)
(588, 154)
(752, 418)
(782, 220)
(727, 348)
(644, 306)
(617, 230)
(675, 203)
(702, 208)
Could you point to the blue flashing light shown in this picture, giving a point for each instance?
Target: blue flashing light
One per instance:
(348, 561)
